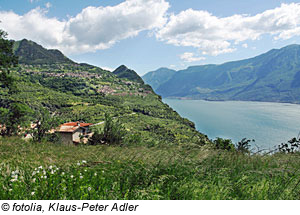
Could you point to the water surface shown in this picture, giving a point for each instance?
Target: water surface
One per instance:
(268, 123)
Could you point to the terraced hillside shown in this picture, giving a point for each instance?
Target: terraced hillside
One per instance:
(82, 92)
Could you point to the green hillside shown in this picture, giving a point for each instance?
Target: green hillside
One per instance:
(82, 92)
(30, 52)
(273, 77)
(158, 77)
(123, 72)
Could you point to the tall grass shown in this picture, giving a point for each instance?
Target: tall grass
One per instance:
(50, 171)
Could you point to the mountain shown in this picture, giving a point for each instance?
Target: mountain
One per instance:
(158, 77)
(123, 72)
(273, 77)
(30, 52)
(82, 92)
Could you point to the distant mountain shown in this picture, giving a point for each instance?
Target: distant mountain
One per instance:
(123, 72)
(30, 52)
(273, 76)
(158, 77)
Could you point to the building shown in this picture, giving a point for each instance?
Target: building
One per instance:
(74, 132)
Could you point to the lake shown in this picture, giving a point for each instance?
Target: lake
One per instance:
(268, 123)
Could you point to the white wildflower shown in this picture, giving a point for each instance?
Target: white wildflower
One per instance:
(13, 180)
(45, 177)
(50, 167)
(33, 173)
(33, 180)
(89, 189)
(52, 172)
(78, 164)
(32, 193)
(81, 177)
(63, 173)
(83, 161)
(95, 174)
(72, 176)
(40, 167)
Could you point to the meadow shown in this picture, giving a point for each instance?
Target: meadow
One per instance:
(31, 170)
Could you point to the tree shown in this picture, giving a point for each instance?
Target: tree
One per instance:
(44, 122)
(224, 144)
(15, 118)
(7, 61)
(113, 133)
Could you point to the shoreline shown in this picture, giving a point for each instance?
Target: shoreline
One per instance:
(210, 100)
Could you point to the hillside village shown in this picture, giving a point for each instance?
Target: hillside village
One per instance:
(72, 92)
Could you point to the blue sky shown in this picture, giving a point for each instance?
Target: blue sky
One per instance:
(148, 34)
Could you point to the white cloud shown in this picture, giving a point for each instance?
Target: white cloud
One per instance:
(48, 5)
(107, 68)
(245, 45)
(214, 35)
(190, 57)
(92, 29)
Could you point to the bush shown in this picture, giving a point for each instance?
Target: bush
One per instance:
(224, 144)
(291, 146)
(244, 145)
(113, 133)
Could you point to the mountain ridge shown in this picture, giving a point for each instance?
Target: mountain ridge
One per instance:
(82, 92)
(29, 52)
(159, 76)
(123, 72)
(272, 77)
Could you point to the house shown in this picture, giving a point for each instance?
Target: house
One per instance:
(72, 132)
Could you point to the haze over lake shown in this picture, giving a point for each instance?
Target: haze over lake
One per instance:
(268, 123)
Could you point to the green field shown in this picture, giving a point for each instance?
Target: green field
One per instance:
(52, 171)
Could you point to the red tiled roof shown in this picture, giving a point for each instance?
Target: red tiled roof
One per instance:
(76, 124)
(71, 126)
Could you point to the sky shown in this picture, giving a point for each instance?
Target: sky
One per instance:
(145, 35)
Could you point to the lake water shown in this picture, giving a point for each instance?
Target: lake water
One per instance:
(268, 123)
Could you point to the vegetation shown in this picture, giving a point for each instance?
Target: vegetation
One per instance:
(123, 72)
(81, 92)
(158, 77)
(141, 148)
(113, 133)
(44, 122)
(273, 77)
(52, 171)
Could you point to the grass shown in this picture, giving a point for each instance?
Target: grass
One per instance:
(50, 171)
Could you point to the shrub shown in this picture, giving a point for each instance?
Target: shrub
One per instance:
(244, 145)
(113, 133)
(291, 146)
(224, 144)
